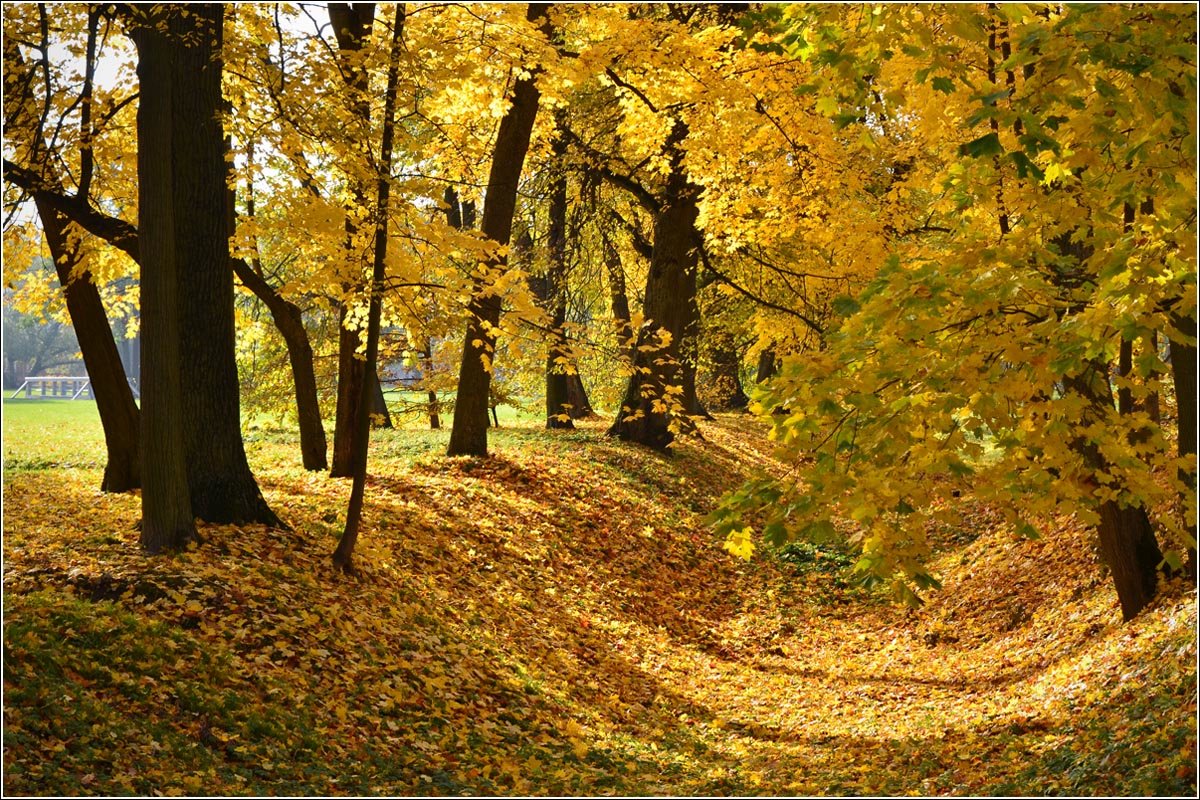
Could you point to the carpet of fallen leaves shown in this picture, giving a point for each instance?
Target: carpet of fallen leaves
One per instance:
(557, 619)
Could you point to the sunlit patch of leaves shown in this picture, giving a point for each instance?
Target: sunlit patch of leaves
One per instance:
(558, 619)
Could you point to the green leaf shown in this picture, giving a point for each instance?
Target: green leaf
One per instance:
(820, 532)
(1026, 167)
(994, 97)
(845, 305)
(845, 120)
(958, 469)
(1027, 530)
(775, 532)
(926, 581)
(944, 85)
(988, 145)
(827, 406)
(1172, 560)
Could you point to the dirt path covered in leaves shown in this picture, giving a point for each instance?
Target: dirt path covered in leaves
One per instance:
(557, 619)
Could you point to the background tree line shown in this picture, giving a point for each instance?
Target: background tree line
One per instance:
(954, 247)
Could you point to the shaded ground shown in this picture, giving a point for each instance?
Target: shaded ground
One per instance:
(557, 619)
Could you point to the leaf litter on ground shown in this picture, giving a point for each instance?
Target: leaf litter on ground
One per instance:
(557, 619)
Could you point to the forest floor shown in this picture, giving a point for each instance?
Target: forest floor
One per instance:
(557, 619)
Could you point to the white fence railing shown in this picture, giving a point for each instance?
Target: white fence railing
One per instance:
(61, 386)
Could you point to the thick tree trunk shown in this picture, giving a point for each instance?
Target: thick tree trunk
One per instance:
(222, 487)
(577, 396)
(167, 521)
(290, 324)
(351, 374)
(1127, 542)
(652, 409)
(468, 436)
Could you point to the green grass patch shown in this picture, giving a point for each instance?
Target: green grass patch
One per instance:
(46, 434)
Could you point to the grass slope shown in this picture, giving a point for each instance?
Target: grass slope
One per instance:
(557, 619)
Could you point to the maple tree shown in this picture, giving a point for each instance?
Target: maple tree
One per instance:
(944, 255)
(469, 433)
(345, 549)
(84, 304)
(977, 358)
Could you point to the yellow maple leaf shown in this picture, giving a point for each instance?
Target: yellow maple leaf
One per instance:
(739, 543)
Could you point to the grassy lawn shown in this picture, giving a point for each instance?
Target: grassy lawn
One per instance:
(41, 434)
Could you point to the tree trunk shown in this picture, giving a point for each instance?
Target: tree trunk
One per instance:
(1125, 371)
(468, 435)
(726, 390)
(1127, 541)
(620, 300)
(342, 556)
(289, 321)
(167, 521)
(119, 416)
(766, 365)
(222, 487)
(577, 396)
(114, 398)
(290, 324)
(1183, 371)
(1153, 405)
(558, 399)
(652, 401)
(352, 23)
(689, 354)
(435, 419)
(381, 417)
(351, 373)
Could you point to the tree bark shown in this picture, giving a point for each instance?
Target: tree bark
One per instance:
(119, 416)
(381, 417)
(652, 400)
(351, 373)
(1183, 372)
(167, 521)
(352, 23)
(726, 391)
(619, 298)
(221, 485)
(766, 365)
(558, 399)
(342, 556)
(468, 435)
(577, 396)
(290, 323)
(689, 355)
(1127, 542)
(435, 419)
(1153, 405)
